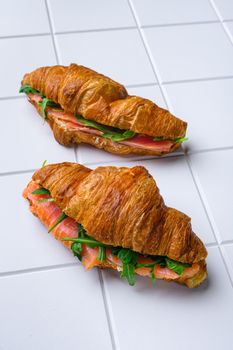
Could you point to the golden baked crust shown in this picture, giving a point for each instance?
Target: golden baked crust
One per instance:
(122, 207)
(81, 90)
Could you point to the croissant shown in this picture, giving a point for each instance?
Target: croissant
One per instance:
(83, 106)
(126, 223)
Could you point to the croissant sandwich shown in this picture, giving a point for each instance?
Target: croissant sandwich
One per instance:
(115, 218)
(81, 105)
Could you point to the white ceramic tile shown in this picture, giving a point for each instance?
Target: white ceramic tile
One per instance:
(119, 54)
(74, 15)
(32, 139)
(53, 310)
(88, 154)
(23, 17)
(214, 171)
(191, 51)
(230, 28)
(176, 185)
(26, 241)
(228, 255)
(151, 12)
(22, 55)
(153, 93)
(225, 8)
(206, 106)
(172, 316)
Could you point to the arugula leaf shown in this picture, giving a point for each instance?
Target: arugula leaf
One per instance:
(43, 164)
(158, 138)
(44, 103)
(77, 249)
(101, 253)
(127, 256)
(181, 139)
(152, 274)
(81, 231)
(41, 191)
(176, 266)
(113, 135)
(178, 139)
(87, 240)
(59, 220)
(128, 272)
(46, 200)
(91, 123)
(116, 137)
(27, 89)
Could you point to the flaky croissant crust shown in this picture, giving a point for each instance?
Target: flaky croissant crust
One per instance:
(122, 207)
(81, 90)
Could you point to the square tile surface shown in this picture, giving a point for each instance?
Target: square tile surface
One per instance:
(76, 15)
(118, 53)
(20, 56)
(206, 106)
(160, 12)
(189, 51)
(214, 172)
(23, 17)
(225, 8)
(51, 310)
(33, 140)
(169, 305)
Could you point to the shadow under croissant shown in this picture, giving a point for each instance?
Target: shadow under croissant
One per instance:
(165, 288)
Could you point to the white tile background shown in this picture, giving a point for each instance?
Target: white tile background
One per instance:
(178, 53)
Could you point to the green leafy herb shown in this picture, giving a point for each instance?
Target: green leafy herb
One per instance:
(43, 164)
(128, 272)
(27, 89)
(108, 132)
(46, 200)
(81, 231)
(44, 103)
(101, 254)
(158, 138)
(87, 240)
(77, 249)
(59, 220)
(116, 137)
(41, 190)
(176, 266)
(152, 274)
(178, 139)
(181, 139)
(127, 256)
(129, 261)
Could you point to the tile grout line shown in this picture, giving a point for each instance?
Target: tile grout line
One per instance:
(216, 236)
(51, 31)
(47, 5)
(150, 57)
(37, 269)
(107, 309)
(218, 14)
(160, 25)
(112, 29)
(169, 105)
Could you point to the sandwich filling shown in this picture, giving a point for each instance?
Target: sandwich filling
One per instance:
(79, 123)
(94, 253)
